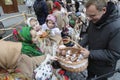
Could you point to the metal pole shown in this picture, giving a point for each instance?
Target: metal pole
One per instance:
(102, 76)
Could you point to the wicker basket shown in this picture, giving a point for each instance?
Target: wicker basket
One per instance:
(77, 66)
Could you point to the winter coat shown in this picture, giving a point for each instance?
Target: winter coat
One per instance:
(41, 11)
(103, 42)
(54, 30)
(55, 33)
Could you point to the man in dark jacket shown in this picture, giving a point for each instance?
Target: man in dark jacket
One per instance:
(41, 10)
(103, 37)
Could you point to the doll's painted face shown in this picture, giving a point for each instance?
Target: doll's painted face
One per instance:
(35, 25)
(50, 24)
(34, 36)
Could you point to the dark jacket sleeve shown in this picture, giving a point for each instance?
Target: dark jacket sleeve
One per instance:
(84, 41)
(112, 53)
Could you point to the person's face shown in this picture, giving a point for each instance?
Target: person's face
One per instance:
(50, 24)
(93, 14)
(34, 36)
(35, 25)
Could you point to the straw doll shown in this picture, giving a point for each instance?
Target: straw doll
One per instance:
(13, 61)
(51, 25)
(34, 24)
(28, 38)
(23, 56)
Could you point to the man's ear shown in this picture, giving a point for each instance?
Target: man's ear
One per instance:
(104, 9)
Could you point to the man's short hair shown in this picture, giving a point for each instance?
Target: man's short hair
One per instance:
(98, 3)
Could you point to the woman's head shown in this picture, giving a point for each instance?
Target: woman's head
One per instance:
(28, 35)
(33, 22)
(51, 21)
(25, 35)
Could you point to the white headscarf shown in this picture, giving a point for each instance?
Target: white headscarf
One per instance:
(29, 19)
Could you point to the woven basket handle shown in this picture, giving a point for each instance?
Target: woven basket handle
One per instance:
(73, 42)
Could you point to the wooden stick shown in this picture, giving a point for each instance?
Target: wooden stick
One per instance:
(23, 14)
(12, 27)
(12, 17)
(9, 29)
(17, 24)
(5, 29)
(6, 37)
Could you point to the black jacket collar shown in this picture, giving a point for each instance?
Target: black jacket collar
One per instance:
(110, 15)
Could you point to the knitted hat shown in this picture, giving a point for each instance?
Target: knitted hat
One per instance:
(52, 18)
(29, 19)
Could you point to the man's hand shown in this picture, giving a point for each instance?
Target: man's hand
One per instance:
(85, 53)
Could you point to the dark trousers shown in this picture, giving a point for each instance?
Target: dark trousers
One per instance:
(92, 76)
